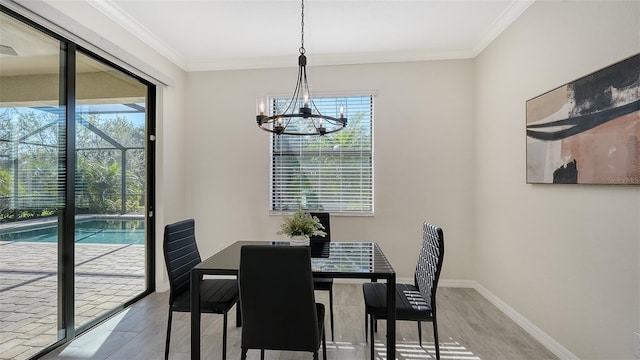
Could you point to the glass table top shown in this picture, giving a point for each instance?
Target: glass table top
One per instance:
(332, 259)
(350, 257)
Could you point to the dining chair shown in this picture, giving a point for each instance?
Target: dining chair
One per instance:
(414, 302)
(277, 301)
(181, 255)
(324, 284)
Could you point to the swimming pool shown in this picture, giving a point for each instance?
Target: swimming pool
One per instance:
(93, 231)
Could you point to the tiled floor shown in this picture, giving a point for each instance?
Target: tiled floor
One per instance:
(106, 276)
(469, 327)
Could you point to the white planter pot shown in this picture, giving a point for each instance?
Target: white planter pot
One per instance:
(299, 240)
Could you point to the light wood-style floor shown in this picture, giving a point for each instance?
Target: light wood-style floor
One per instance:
(470, 328)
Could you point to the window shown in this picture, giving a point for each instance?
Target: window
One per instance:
(332, 173)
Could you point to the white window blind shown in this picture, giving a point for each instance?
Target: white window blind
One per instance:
(32, 147)
(332, 173)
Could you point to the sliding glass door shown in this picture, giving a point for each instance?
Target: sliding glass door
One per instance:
(76, 156)
(31, 188)
(110, 192)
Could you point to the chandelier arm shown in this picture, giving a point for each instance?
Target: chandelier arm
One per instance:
(288, 122)
(315, 107)
(274, 117)
(339, 123)
(296, 93)
(305, 84)
(300, 85)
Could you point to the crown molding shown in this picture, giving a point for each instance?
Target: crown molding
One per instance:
(115, 13)
(328, 59)
(506, 18)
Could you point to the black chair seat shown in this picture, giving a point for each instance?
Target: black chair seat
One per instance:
(410, 305)
(217, 296)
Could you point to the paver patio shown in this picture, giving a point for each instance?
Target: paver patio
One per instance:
(106, 276)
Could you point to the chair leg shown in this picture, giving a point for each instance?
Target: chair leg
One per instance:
(261, 354)
(366, 326)
(238, 315)
(224, 337)
(373, 355)
(324, 345)
(315, 355)
(168, 340)
(435, 337)
(331, 310)
(420, 333)
(243, 354)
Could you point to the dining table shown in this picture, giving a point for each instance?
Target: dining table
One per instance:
(351, 260)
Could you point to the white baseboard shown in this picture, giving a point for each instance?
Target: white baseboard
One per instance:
(537, 333)
(456, 283)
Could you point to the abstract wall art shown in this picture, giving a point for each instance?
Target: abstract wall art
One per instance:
(587, 131)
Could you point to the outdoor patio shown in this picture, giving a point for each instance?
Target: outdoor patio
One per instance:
(107, 275)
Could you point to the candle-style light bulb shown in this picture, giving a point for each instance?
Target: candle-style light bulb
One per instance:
(261, 107)
(277, 127)
(306, 98)
(341, 111)
(320, 122)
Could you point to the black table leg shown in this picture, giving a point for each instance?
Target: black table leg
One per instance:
(195, 315)
(391, 317)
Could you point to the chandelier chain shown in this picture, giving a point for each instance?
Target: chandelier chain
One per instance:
(302, 51)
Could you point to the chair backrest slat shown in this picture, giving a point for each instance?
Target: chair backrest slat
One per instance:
(430, 262)
(181, 254)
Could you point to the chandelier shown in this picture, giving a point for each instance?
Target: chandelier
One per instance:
(307, 120)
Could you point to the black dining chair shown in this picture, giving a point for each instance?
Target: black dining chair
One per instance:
(181, 255)
(324, 284)
(416, 302)
(278, 306)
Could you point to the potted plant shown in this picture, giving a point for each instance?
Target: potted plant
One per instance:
(300, 227)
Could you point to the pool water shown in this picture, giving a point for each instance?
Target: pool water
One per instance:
(103, 231)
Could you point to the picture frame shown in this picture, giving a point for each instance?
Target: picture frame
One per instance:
(587, 131)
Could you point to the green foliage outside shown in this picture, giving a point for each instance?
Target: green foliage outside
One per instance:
(31, 142)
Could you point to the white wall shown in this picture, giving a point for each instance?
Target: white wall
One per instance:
(566, 257)
(422, 149)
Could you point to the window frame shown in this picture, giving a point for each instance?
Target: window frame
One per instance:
(271, 101)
